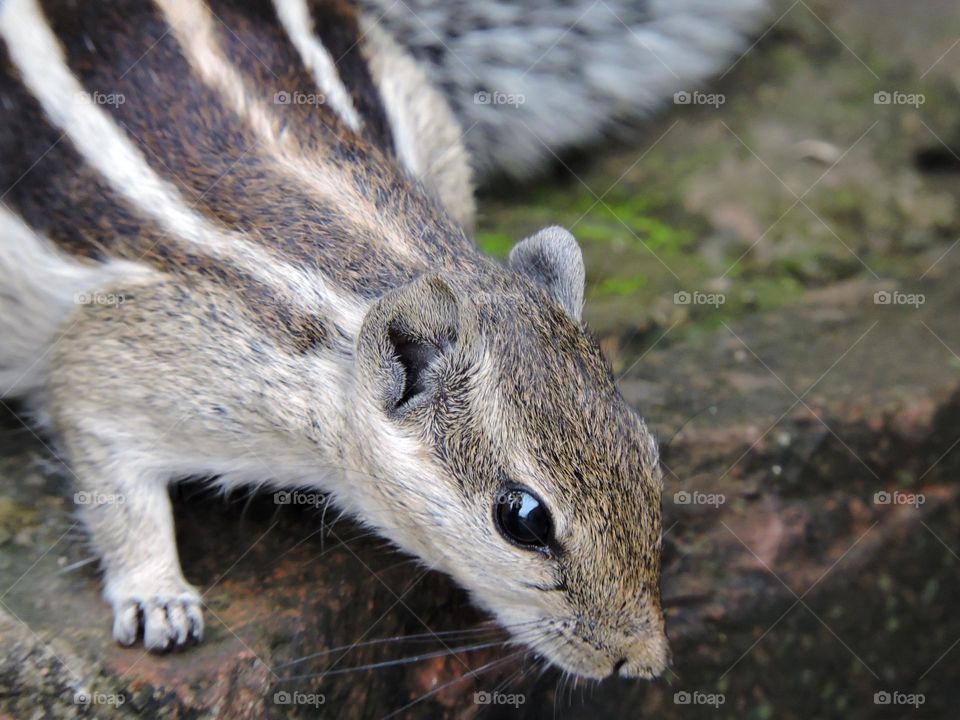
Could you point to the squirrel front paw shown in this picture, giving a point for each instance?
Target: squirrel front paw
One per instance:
(169, 621)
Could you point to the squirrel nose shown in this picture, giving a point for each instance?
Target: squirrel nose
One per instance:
(646, 659)
(618, 666)
(646, 669)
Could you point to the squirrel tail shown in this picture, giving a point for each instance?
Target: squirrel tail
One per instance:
(529, 79)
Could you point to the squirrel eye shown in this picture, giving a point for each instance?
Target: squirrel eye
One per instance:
(523, 519)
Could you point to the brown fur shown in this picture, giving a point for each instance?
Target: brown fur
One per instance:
(287, 368)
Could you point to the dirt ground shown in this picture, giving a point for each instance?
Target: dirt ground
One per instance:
(772, 278)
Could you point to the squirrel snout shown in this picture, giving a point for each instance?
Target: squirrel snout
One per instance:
(641, 668)
(646, 658)
(647, 666)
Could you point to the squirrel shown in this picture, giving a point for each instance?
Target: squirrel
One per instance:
(234, 243)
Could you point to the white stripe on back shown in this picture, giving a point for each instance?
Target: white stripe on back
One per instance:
(194, 27)
(39, 58)
(295, 18)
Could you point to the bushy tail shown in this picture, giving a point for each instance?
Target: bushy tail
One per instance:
(533, 77)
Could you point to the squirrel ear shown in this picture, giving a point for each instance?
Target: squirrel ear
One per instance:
(552, 258)
(403, 335)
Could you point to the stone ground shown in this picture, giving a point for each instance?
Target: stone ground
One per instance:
(793, 589)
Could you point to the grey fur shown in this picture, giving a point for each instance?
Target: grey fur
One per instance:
(553, 258)
(579, 66)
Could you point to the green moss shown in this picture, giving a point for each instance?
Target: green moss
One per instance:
(688, 207)
(495, 243)
(619, 286)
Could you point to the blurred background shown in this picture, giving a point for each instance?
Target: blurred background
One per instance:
(771, 269)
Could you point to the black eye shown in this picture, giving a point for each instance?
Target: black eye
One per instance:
(522, 518)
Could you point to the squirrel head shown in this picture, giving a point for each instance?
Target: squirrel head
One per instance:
(507, 457)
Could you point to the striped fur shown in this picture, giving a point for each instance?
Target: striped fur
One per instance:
(232, 245)
(299, 26)
(568, 73)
